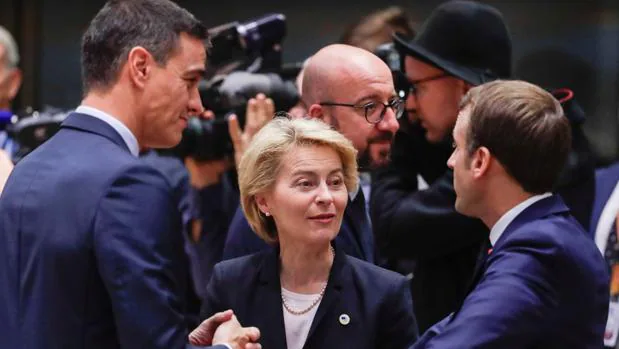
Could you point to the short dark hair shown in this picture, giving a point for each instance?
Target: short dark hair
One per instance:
(524, 127)
(123, 24)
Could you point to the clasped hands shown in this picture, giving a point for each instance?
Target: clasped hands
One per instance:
(224, 328)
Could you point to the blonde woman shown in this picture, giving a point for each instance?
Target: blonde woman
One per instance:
(295, 179)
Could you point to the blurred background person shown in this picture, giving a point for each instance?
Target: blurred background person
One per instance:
(295, 179)
(605, 230)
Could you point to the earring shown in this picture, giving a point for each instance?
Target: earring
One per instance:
(267, 214)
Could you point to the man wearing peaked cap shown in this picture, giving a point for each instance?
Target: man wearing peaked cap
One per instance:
(462, 44)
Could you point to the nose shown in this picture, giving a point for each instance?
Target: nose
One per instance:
(389, 123)
(452, 160)
(195, 102)
(324, 195)
(411, 106)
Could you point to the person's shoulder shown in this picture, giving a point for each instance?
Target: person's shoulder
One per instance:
(241, 267)
(373, 273)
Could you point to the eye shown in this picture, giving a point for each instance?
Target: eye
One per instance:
(305, 184)
(192, 81)
(370, 107)
(336, 181)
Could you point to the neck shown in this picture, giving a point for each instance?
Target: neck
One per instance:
(117, 104)
(501, 201)
(304, 268)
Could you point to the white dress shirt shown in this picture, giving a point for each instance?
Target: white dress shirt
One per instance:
(499, 227)
(117, 125)
(298, 326)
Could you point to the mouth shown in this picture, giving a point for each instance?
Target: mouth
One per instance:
(323, 218)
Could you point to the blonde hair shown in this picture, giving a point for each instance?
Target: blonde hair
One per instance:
(262, 162)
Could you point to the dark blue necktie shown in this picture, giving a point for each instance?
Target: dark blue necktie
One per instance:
(363, 222)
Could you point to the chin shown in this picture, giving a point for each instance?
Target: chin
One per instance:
(433, 137)
(463, 208)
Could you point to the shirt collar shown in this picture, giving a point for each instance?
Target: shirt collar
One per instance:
(499, 227)
(117, 125)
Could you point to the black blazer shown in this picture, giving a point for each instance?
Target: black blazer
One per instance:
(377, 301)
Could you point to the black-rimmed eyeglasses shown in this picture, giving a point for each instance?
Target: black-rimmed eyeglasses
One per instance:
(372, 110)
(412, 84)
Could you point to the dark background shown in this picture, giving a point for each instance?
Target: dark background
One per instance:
(557, 43)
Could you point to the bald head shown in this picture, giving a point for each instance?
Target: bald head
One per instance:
(337, 68)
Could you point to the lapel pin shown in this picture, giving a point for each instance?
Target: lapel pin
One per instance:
(344, 319)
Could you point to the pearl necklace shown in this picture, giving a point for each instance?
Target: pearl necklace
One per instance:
(314, 303)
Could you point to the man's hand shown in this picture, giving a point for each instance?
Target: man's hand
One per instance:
(259, 111)
(225, 328)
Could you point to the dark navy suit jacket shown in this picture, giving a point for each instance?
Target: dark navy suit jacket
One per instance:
(353, 239)
(377, 301)
(544, 285)
(90, 255)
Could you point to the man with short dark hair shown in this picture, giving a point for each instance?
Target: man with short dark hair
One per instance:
(90, 255)
(543, 284)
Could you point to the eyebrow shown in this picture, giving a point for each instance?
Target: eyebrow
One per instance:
(373, 97)
(195, 71)
(312, 173)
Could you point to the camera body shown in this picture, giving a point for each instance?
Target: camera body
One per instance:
(31, 130)
(388, 53)
(245, 60)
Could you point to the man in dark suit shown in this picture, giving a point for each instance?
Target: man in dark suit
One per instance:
(90, 251)
(335, 90)
(543, 284)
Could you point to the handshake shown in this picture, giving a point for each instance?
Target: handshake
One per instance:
(224, 328)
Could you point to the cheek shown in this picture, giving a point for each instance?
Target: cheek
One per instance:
(341, 199)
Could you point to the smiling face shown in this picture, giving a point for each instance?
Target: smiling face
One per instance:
(171, 95)
(308, 199)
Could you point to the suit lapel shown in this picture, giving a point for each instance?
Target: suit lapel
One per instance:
(268, 301)
(338, 277)
(87, 123)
